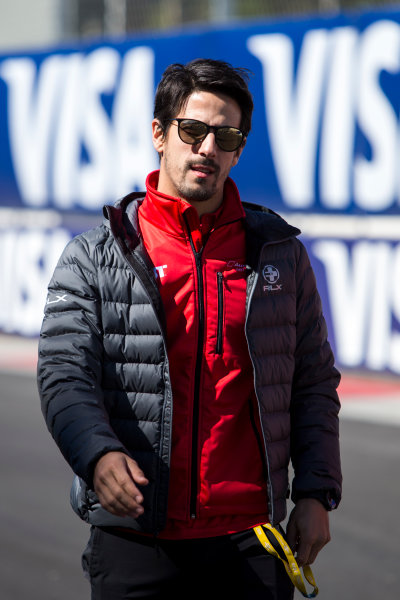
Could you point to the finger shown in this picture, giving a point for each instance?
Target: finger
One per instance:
(124, 476)
(316, 548)
(303, 553)
(114, 506)
(117, 501)
(125, 491)
(313, 555)
(114, 483)
(292, 536)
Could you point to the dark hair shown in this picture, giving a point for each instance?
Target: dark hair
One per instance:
(203, 74)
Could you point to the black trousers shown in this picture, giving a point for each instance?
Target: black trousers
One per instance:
(123, 566)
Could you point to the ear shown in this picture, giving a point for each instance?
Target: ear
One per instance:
(238, 153)
(158, 136)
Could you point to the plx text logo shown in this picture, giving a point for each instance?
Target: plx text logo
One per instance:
(271, 276)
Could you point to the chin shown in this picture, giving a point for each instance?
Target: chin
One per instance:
(196, 194)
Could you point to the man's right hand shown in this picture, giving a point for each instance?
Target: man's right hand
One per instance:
(115, 478)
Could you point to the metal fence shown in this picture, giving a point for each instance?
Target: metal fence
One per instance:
(86, 18)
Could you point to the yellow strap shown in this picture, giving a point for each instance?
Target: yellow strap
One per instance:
(291, 566)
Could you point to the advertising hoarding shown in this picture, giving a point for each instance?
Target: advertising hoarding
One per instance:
(75, 124)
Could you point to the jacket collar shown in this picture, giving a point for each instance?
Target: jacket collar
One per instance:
(173, 215)
(262, 225)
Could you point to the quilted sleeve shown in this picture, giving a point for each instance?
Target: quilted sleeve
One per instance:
(70, 358)
(315, 404)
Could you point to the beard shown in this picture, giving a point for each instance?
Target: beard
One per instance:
(196, 193)
(198, 189)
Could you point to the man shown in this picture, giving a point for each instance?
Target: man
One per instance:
(186, 365)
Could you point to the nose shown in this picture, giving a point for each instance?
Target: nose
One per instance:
(208, 147)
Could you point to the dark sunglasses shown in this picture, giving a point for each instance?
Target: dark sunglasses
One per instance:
(192, 131)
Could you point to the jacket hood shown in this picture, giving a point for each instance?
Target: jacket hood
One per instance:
(123, 218)
(267, 224)
(263, 227)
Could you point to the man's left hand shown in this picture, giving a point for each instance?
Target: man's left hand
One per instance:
(308, 530)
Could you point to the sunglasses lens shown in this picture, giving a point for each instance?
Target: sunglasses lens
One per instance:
(229, 138)
(192, 131)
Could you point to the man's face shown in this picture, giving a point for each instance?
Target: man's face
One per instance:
(197, 172)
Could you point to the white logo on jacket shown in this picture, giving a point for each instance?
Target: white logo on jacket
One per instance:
(58, 299)
(160, 271)
(233, 264)
(271, 276)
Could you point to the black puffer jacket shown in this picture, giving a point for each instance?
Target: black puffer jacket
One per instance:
(103, 368)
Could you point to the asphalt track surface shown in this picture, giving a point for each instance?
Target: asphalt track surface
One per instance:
(41, 539)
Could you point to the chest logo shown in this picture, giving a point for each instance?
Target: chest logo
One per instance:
(57, 299)
(271, 276)
(160, 271)
(233, 264)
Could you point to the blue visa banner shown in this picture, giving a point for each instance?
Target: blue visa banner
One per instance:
(75, 133)
(358, 279)
(75, 121)
(359, 283)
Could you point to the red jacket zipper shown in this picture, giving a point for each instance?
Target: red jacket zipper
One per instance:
(194, 475)
(220, 292)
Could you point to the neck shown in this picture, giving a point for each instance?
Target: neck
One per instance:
(206, 206)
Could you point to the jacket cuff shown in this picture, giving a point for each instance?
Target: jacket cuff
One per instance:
(327, 498)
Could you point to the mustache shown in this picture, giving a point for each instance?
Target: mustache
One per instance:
(203, 162)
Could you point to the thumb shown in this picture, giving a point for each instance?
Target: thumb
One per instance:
(136, 472)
